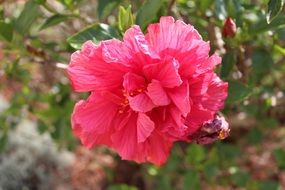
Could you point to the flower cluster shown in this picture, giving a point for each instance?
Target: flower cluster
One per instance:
(147, 91)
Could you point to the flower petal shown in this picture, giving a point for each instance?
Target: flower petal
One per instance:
(91, 120)
(141, 103)
(125, 139)
(88, 71)
(196, 118)
(157, 94)
(138, 47)
(167, 34)
(216, 94)
(133, 81)
(144, 127)
(165, 72)
(158, 148)
(180, 97)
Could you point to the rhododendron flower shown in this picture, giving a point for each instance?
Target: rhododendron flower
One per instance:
(147, 91)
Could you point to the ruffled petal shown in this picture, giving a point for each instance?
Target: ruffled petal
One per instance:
(180, 97)
(125, 139)
(133, 82)
(167, 34)
(141, 103)
(92, 120)
(157, 94)
(88, 71)
(165, 72)
(216, 95)
(158, 148)
(138, 47)
(114, 51)
(144, 127)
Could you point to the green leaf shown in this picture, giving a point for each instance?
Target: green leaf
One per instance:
(41, 2)
(126, 19)
(220, 8)
(148, 12)
(237, 91)
(191, 180)
(105, 7)
(27, 17)
(6, 31)
(240, 178)
(96, 33)
(274, 8)
(54, 20)
(3, 141)
(268, 184)
(263, 26)
(228, 63)
(261, 61)
(255, 136)
(279, 155)
(122, 187)
(279, 49)
(195, 154)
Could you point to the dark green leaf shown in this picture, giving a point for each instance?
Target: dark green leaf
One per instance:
(105, 7)
(122, 187)
(268, 184)
(195, 154)
(148, 12)
(126, 19)
(191, 180)
(279, 155)
(3, 141)
(6, 31)
(41, 2)
(53, 20)
(228, 63)
(274, 8)
(261, 61)
(237, 91)
(255, 136)
(263, 26)
(27, 17)
(96, 33)
(240, 178)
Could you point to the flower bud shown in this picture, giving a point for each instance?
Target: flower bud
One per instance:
(211, 131)
(229, 29)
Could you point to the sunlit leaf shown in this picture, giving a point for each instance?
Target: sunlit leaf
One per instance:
(126, 19)
(274, 8)
(263, 26)
(96, 33)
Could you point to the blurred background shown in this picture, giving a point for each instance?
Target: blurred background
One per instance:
(37, 147)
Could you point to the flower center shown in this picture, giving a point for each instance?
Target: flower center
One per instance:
(125, 103)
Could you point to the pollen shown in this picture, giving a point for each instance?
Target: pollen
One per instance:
(222, 134)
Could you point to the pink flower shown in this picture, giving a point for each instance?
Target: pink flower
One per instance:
(147, 91)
